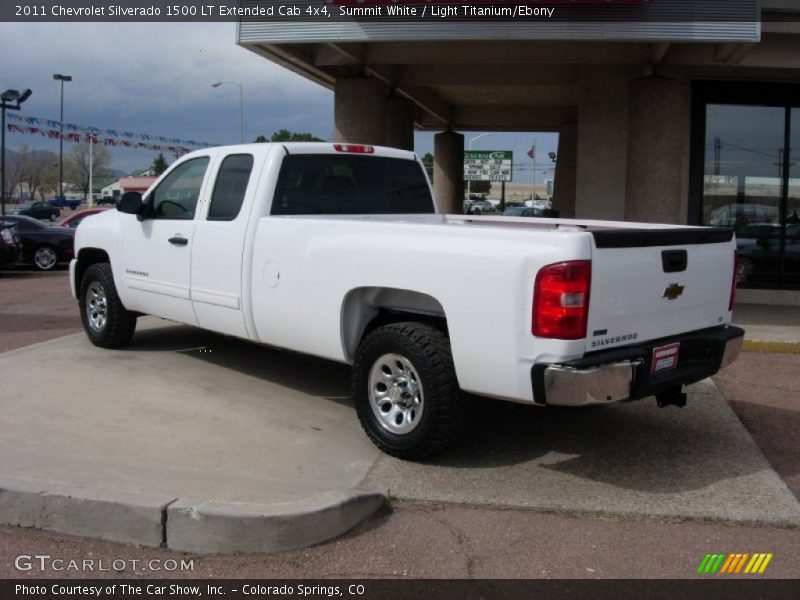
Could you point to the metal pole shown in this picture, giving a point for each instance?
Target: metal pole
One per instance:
(533, 179)
(3, 184)
(241, 113)
(90, 201)
(61, 150)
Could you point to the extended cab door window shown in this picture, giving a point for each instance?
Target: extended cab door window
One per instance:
(231, 185)
(176, 196)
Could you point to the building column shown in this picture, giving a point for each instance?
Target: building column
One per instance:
(448, 172)
(602, 141)
(566, 167)
(399, 123)
(659, 125)
(359, 111)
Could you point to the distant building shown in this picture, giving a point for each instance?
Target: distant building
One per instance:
(136, 184)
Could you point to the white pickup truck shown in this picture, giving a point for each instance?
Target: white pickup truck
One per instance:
(336, 250)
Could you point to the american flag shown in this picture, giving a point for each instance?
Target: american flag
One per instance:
(532, 152)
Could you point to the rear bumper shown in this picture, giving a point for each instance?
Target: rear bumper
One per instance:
(625, 374)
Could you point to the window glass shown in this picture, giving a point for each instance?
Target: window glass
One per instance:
(316, 184)
(231, 185)
(176, 196)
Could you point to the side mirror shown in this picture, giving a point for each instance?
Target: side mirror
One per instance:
(130, 203)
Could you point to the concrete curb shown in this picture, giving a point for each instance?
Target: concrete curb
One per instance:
(203, 527)
(230, 527)
(115, 516)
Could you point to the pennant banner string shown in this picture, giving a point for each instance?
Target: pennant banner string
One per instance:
(108, 137)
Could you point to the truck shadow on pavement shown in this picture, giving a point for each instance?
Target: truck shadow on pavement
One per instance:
(635, 446)
(300, 372)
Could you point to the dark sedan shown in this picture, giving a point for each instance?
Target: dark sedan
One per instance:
(37, 210)
(759, 247)
(530, 211)
(43, 246)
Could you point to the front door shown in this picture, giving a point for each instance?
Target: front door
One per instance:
(158, 250)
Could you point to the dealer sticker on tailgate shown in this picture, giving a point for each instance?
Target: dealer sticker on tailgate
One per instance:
(665, 357)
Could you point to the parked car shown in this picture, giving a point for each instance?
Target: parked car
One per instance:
(475, 206)
(62, 202)
(740, 214)
(529, 211)
(112, 200)
(10, 245)
(37, 210)
(43, 246)
(759, 247)
(74, 219)
(523, 211)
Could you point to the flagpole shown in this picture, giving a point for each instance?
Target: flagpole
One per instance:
(533, 179)
(91, 145)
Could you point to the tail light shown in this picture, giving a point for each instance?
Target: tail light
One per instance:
(732, 301)
(561, 300)
(354, 148)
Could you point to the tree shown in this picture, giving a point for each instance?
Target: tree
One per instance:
(36, 170)
(76, 165)
(13, 172)
(284, 135)
(427, 160)
(260, 140)
(479, 187)
(159, 164)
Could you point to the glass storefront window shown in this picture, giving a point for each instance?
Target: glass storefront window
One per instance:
(744, 188)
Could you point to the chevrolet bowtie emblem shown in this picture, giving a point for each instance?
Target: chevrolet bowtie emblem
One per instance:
(673, 291)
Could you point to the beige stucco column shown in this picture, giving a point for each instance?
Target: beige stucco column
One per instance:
(566, 167)
(399, 123)
(602, 141)
(448, 172)
(659, 124)
(359, 111)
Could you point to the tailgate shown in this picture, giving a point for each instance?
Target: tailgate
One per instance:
(651, 284)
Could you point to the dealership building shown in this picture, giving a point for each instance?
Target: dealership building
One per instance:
(673, 111)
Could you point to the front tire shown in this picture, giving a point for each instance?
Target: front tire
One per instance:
(406, 392)
(106, 321)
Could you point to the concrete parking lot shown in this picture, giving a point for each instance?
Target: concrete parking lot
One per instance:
(620, 475)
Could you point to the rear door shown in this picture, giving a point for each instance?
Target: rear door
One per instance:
(219, 242)
(651, 284)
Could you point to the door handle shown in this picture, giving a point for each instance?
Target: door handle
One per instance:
(178, 240)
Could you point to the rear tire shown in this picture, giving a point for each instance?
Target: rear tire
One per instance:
(45, 258)
(406, 393)
(106, 321)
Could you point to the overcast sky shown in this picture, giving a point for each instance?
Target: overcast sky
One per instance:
(156, 79)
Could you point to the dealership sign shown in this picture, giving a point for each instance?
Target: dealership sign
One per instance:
(488, 165)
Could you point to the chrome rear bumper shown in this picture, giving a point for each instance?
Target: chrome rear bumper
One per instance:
(625, 374)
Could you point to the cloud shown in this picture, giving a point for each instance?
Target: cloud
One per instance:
(156, 78)
(148, 71)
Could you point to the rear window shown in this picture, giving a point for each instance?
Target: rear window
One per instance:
(320, 184)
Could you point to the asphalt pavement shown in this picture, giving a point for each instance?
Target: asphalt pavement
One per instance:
(523, 477)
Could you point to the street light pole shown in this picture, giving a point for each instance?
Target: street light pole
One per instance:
(241, 105)
(477, 137)
(7, 97)
(62, 79)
